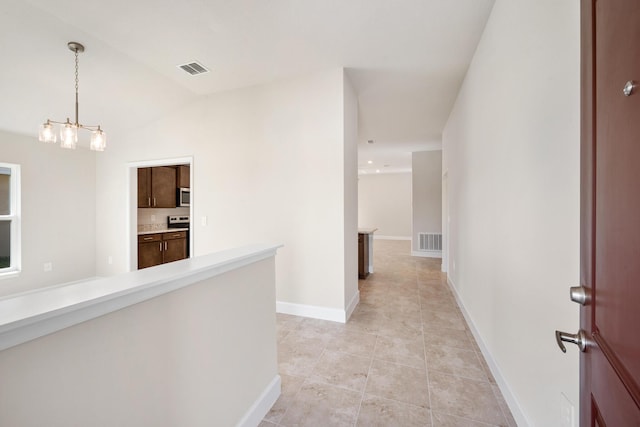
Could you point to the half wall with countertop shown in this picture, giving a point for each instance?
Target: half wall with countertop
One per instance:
(149, 347)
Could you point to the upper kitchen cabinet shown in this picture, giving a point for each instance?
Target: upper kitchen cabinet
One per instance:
(184, 179)
(144, 187)
(157, 187)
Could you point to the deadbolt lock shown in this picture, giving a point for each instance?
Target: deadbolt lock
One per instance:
(580, 294)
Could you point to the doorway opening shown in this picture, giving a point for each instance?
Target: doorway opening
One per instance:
(160, 209)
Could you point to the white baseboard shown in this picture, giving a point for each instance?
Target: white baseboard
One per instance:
(509, 397)
(427, 254)
(313, 311)
(352, 305)
(262, 405)
(378, 237)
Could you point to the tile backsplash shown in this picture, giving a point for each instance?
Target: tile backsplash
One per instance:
(150, 219)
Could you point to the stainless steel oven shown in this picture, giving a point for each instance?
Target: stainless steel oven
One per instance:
(182, 222)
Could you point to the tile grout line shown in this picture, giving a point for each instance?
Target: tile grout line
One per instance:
(305, 378)
(424, 349)
(366, 381)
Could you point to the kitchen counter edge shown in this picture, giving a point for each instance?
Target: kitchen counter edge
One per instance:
(166, 230)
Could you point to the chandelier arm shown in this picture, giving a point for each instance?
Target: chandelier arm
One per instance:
(78, 125)
(89, 127)
(58, 123)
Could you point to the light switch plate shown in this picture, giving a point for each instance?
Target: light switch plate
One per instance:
(204, 221)
(48, 266)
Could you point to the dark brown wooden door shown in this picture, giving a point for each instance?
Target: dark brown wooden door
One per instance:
(610, 247)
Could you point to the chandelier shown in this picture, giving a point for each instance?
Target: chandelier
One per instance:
(68, 129)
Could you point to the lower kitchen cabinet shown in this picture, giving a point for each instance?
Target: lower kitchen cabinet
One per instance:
(363, 256)
(161, 248)
(175, 246)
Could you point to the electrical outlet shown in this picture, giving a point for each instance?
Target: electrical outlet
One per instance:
(153, 218)
(567, 412)
(204, 221)
(48, 266)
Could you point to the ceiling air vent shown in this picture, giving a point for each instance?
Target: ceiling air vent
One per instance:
(194, 68)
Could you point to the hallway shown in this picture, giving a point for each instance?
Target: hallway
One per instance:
(405, 358)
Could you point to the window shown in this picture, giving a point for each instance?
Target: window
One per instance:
(9, 219)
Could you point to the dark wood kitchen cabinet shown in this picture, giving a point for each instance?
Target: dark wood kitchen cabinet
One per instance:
(144, 187)
(156, 187)
(175, 246)
(149, 250)
(184, 176)
(363, 255)
(161, 248)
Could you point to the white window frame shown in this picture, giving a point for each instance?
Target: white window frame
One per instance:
(13, 217)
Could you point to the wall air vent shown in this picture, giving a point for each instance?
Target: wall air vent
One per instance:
(430, 241)
(194, 68)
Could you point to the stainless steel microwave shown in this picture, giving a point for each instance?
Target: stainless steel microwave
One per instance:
(184, 197)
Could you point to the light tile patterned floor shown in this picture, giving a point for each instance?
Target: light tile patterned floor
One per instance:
(405, 358)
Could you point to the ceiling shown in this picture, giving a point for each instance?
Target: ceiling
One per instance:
(405, 58)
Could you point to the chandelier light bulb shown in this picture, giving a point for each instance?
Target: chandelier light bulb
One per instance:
(68, 135)
(98, 140)
(47, 133)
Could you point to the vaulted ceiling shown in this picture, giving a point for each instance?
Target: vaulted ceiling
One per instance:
(405, 58)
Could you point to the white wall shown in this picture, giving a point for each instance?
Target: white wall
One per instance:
(426, 173)
(511, 150)
(350, 126)
(58, 212)
(384, 202)
(268, 165)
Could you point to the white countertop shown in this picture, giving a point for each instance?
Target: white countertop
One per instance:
(34, 314)
(164, 230)
(366, 230)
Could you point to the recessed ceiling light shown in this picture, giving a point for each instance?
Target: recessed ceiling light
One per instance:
(377, 170)
(370, 161)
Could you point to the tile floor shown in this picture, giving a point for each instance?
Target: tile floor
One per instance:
(405, 358)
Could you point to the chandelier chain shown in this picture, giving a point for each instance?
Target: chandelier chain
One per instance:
(76, 70)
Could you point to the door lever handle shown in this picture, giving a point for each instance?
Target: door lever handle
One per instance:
(580, 339)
